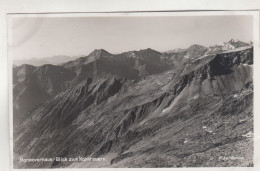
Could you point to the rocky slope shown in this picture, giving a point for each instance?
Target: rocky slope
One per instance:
(197, 113)
(34, 85)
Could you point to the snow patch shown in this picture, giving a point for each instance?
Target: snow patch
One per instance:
(186, 56)
(207, 129)
(204, 56)
(247, 65)
(242, 120)
(248, 135)
(165, 109)
(158, 82)
(196, 96)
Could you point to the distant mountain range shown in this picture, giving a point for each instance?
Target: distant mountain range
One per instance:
(54, 60)
(195, 50)
(180, 108)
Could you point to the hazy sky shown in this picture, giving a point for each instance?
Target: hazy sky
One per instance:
(73, 36)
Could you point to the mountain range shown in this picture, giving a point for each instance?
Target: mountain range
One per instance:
(181, 108)
(54, 60)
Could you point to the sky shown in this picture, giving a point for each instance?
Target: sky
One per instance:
(39, 37)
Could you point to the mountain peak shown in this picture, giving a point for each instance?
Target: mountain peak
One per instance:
(26, 67)
(195, 46)
(235, 43)
(100, 52)
(177, 50)
(149, 50)
(233, 40)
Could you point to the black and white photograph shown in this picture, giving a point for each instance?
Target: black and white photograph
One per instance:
(132, 90)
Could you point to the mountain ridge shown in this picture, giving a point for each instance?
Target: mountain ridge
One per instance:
(231, 44)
